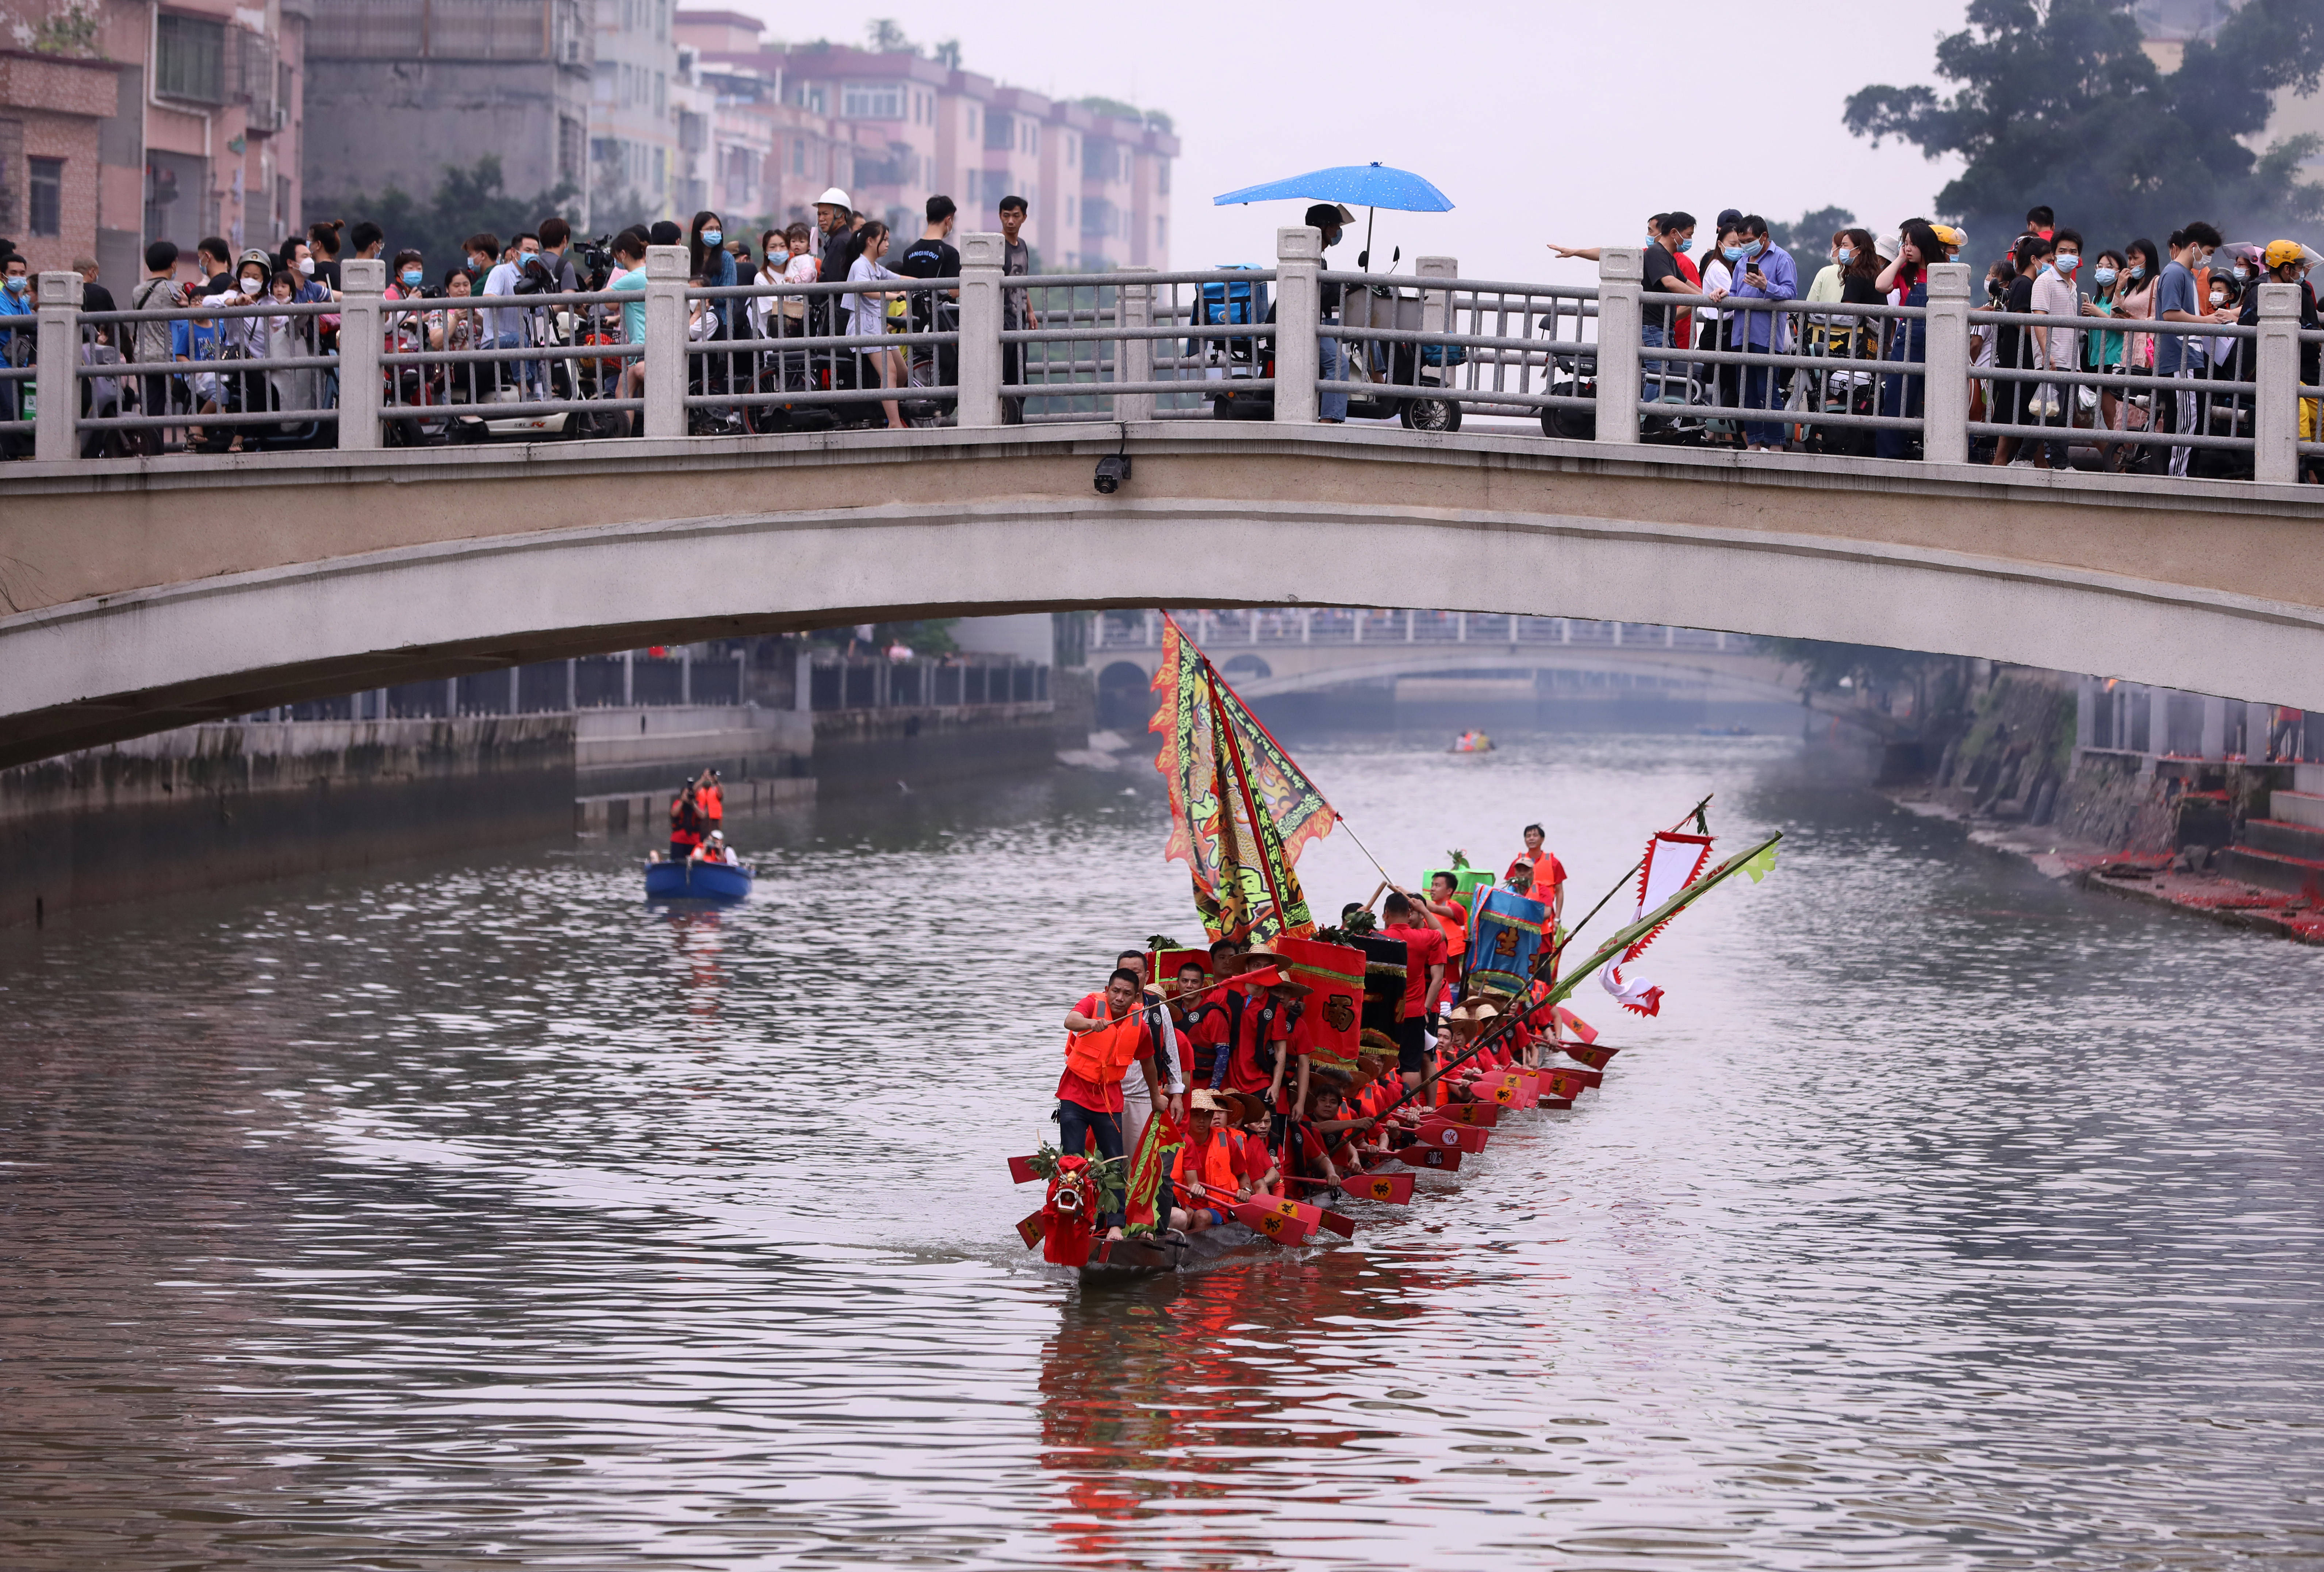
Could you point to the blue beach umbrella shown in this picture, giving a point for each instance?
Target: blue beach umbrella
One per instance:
(1358, 185)
(1368, 186)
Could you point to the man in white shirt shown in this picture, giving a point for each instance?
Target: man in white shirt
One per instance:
(2056, 294)
(504, 327)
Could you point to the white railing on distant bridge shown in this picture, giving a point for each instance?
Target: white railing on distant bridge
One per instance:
(1608, 365)
(1345, 627)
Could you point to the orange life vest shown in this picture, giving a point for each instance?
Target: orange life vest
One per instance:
(1216, 1166)
(712, 801)
(1103, 1055)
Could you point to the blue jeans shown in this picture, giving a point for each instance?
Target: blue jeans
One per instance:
(1759, 391)
(1650, 336)
(1330, 406)
(1076, 1125)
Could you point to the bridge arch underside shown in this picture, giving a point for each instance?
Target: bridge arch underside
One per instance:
(1275, 671)
(85, 672)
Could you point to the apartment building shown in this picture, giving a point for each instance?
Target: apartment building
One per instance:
(2167, 26)
(634, 126)
(123, 122)
(416, 85)
(904, 127)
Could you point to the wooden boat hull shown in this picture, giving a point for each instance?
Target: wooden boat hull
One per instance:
(693, 881)
(1129, 1260)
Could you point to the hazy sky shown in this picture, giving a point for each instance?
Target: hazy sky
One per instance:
(1542, 122)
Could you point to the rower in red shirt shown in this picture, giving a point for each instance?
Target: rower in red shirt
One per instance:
(1423, 975)
(1247, 1031)
(1205, 1170)
(1453, 917)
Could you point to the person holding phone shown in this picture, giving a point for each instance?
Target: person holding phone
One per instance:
(1763, 271)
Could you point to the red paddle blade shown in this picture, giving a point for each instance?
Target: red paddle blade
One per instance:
(1340, 1224)
(1031, 1229)
(1457, 1137)
(1575, 1024)
(1021, 1170)
(1597, 1058)
(1256, 1217)
(1588, 1078)
(1481, 1116)
(1428, 1157)
(1568, 1084)
(1557, 1102)
(1396, 1188)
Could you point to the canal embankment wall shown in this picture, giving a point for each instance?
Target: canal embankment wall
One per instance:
(238, 802)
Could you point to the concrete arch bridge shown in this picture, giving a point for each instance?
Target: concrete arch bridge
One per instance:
(142, 594)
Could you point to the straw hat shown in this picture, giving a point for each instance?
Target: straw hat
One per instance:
(1203, 1102)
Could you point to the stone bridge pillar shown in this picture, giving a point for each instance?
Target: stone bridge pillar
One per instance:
(1298, 258)
(58, 305)
(666, 340)
(1620, 383)
(980, 329)
(1944, 399)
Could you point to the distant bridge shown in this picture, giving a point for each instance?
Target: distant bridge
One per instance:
(1269, 654)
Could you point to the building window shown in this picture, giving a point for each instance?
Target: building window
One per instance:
(1162, 177)
(192, 63)
(798, 155)
(870, 101)
(1162, 235)
(44, 213)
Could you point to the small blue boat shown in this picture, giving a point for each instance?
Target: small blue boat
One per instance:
(697, 881)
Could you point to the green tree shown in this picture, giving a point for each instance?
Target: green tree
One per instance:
(887, 36)
(946, 53)
(2057, 102)
(465, 200)
(1807, 239)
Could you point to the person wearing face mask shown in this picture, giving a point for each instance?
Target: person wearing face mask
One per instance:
(2013, 349)
(238, 337)
(1764, 272)
(2283, 262)
(2176, 300)
(406, 332)
(2056, 294)
(18, 334)
(2107, 349)
(709, 261)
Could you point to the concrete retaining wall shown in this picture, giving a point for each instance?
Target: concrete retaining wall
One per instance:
(925, 746)
(237, 802)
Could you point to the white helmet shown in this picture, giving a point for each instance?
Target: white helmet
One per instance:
(834, 198)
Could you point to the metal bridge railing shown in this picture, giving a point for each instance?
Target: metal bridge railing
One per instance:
(1608, 365)
(1344, 627)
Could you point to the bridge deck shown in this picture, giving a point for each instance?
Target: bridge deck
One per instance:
(142, 593)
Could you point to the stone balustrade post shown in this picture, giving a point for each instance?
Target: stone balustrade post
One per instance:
(1944, 392)
(1298, 258)
(1621, 270)
(666, 340)
(1436, 312)
(981, 313)
(1134, 311)
(2275, 403)
(58, 303)
(363, 281)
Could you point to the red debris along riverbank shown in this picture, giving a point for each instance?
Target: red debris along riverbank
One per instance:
(2158, 878)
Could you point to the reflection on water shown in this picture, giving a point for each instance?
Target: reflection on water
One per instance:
(464, 1214)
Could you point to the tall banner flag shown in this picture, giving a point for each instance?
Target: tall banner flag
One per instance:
(1240, 810)
(1672, 863)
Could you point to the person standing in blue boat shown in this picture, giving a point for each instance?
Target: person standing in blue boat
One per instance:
(687, 823)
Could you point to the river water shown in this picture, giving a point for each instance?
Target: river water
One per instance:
(463, 1216)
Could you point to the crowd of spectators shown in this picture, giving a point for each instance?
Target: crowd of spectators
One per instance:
(1725, 330)
(2120, 392)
